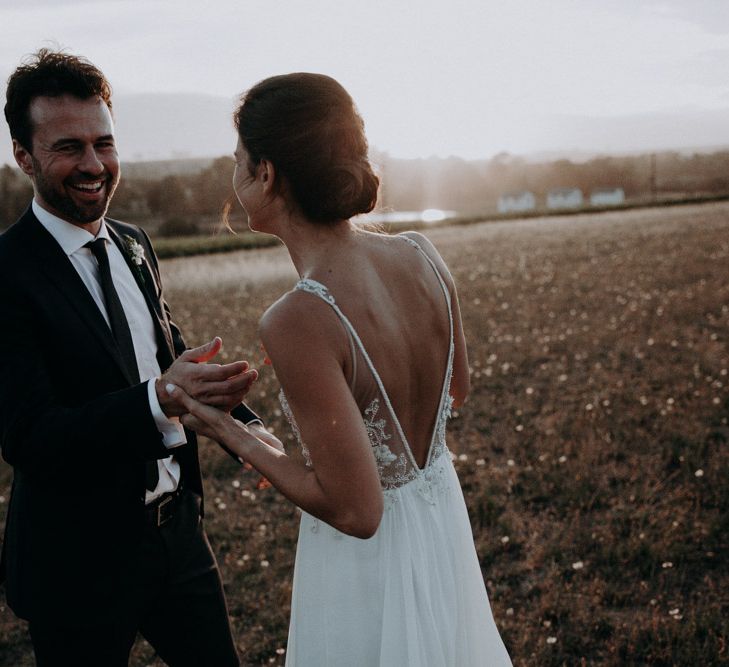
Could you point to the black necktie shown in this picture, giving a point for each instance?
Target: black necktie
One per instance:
(121, 332)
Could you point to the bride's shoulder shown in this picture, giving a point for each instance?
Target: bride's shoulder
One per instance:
(298, 318)
(427, 247)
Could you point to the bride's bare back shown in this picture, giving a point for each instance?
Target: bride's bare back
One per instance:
(397, 302)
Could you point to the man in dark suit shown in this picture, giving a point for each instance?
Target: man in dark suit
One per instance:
(104, 536)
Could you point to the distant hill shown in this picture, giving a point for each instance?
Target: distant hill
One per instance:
(161, 127)
(160, 168)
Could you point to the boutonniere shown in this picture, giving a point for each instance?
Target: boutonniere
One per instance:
(136, 253)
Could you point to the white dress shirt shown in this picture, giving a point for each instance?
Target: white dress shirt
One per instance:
(73, 240)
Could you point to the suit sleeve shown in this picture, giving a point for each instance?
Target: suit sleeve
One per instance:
(41, 432)
(241, 412)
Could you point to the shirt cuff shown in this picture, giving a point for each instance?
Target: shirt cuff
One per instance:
(173, 433)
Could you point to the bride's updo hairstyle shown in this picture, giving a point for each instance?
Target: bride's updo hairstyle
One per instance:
(308, 127)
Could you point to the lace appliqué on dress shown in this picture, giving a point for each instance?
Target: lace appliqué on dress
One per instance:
(392, 468)
(286, 409)
(314, 287)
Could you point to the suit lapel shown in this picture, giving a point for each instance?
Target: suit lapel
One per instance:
(55, 264)
(146, 283)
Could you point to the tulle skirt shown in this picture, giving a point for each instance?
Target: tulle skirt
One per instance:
(410, 596)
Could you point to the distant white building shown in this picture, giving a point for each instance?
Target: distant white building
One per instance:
(564, 198)
(516, 201)
(607, 197)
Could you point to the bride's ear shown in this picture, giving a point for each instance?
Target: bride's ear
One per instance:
(267, 176)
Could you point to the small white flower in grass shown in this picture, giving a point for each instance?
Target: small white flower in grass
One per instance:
(222, 506)
(667, 565)
(463, 457)
(716, 400)
(505, 539)
(650, 341)
(699, 473)
(643, 400)
(547, 624)
(264, 563)
(280, 651)
(2, 499)
(529, 391)
(236, 484)
(562, 459)
(562, 378)
(578, 565)
(510, 463)
(246, 558)
(551, 640)
(519, 428)
(510, 611)
(589, 407)
(480, 462)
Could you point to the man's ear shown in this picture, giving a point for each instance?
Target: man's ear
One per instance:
(23, 158)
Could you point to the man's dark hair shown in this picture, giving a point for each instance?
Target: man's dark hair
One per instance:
(49, 74)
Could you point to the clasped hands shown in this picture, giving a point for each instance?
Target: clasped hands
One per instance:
(203, 395)
(222, 386)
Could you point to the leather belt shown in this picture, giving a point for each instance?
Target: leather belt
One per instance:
(162, 509)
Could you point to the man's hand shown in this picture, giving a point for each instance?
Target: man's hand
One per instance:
(222, 386)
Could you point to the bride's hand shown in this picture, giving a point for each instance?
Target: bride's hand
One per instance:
(214, 423)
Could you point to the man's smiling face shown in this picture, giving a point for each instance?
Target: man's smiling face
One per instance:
(73, 161)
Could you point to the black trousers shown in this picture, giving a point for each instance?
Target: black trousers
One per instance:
(172, 595)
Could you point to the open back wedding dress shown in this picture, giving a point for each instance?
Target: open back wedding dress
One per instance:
(413, 594)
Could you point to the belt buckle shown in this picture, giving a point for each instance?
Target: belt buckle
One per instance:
(160, 519)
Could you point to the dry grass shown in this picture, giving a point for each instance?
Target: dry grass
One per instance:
(592, 451)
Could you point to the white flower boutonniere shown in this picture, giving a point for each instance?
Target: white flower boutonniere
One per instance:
(136, 253)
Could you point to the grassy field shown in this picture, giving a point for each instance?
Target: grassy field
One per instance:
(593, 450)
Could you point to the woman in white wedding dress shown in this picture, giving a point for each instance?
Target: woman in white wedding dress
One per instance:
(370, 353)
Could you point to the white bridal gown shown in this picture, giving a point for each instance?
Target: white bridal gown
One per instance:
(413, 594)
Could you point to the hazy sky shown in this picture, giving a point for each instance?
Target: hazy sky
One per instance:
(443, 77)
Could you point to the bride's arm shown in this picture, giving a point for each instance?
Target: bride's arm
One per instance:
(307, 347)
(342, 487)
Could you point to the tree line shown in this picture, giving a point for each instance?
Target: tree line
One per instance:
(182, 202)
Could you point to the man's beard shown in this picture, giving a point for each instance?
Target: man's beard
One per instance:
(75, 212)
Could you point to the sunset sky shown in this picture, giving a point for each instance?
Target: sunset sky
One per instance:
(432, 77)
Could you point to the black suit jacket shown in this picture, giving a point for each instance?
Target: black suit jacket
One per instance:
(74, 428)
